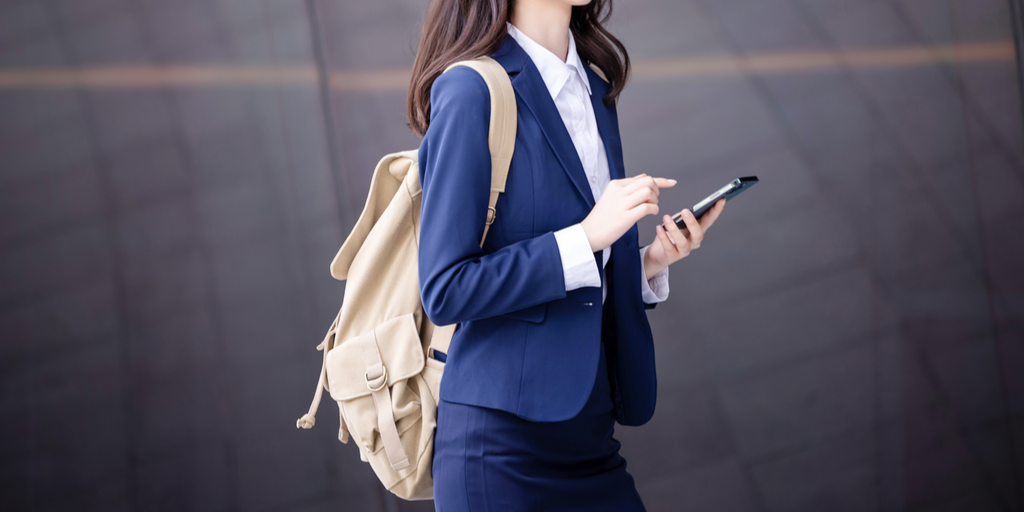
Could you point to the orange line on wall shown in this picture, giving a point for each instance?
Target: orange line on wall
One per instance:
(137, 77)
(395, 80)
(788, 62)
(142, 77)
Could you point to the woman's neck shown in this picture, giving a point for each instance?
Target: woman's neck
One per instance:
(546, 22)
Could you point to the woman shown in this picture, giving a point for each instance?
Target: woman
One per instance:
(553, 344)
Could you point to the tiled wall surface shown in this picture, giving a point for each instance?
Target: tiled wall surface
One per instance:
(849, 337)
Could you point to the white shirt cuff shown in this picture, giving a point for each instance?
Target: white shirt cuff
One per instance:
(656, 288)
(578, 263)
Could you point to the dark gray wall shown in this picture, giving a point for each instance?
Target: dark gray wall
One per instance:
(849, 337)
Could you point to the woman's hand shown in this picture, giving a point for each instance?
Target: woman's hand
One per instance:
(675, 244)
(621, 205)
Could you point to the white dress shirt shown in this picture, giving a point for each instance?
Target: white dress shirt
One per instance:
(570, 89)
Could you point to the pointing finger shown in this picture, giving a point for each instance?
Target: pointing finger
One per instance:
(664, 182)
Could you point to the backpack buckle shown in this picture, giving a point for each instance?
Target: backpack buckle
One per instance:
(491, 213)
(383, 378)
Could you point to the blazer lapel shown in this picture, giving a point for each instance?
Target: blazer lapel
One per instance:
(609, 137)
(534, 95)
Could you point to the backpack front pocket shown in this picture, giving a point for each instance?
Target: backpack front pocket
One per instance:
(375, 378)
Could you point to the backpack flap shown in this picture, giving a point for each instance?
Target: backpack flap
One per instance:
(398, 343)
(387, 177)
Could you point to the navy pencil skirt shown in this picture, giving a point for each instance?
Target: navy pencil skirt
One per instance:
(491, 460)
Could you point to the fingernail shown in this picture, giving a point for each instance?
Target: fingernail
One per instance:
(672, 181)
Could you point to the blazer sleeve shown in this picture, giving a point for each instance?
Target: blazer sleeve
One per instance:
(458, 280)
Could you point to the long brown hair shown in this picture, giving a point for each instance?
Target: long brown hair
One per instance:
(456, 30)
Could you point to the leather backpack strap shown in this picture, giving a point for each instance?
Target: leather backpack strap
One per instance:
(501, 139)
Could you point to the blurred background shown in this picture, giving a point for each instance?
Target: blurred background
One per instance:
(175, 178)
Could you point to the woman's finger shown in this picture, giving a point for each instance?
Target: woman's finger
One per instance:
(640, 211)
(624, 183)
(696, 233)
(711, 216)
(631, 179)
(666, 243)
(665, 182)
(673, 231)
(673, 237)
(639, 184)
(653, 183)
(640, 196)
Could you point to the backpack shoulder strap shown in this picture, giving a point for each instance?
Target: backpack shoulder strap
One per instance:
(598, 71)
(502, 141)
(502, 135)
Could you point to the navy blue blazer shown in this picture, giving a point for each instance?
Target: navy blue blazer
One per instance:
(524, 345)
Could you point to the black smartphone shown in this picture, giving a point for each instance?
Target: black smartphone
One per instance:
(728, 192)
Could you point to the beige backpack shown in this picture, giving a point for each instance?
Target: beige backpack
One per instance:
(377, 354)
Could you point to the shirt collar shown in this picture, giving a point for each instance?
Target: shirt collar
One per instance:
(553, 71)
